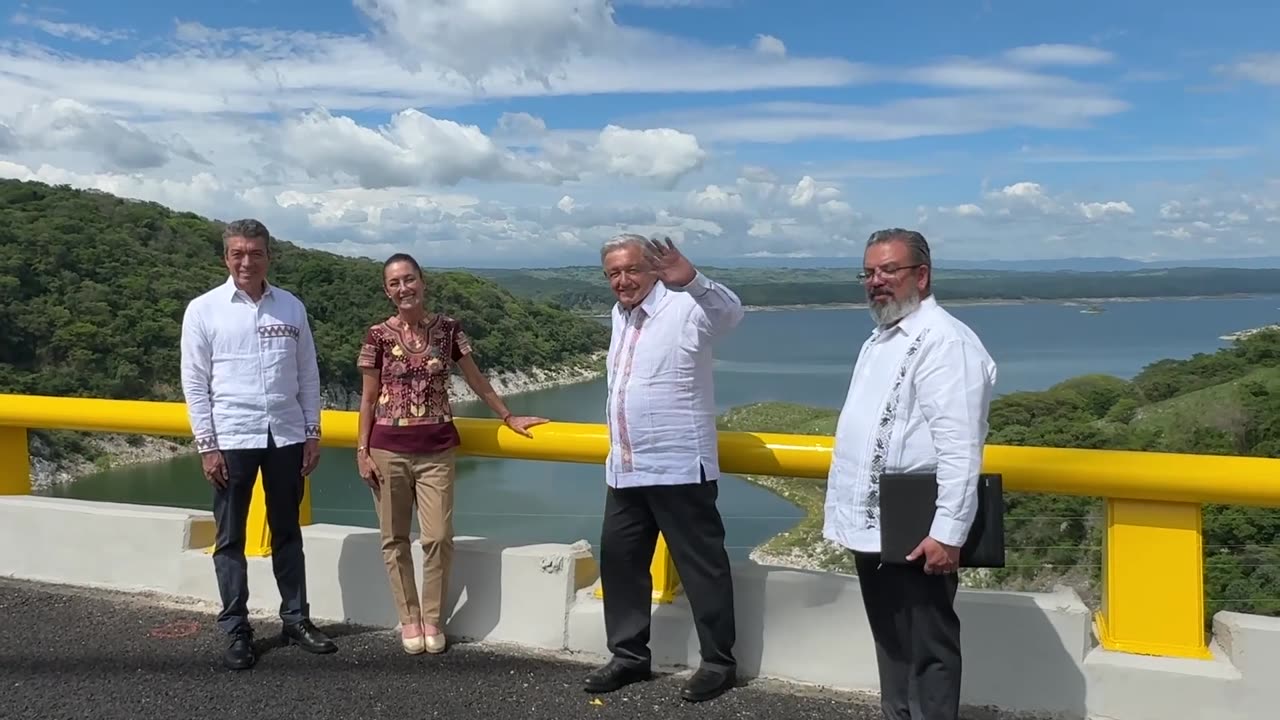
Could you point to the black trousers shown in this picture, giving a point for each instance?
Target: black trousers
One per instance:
(283, 484)
(917, 638)
(687, 516)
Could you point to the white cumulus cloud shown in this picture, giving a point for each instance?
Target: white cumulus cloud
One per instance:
(526, 131)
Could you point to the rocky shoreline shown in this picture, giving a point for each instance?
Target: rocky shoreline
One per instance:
(1242, 334)
(505, 383)
(515, 383)
(115, 450)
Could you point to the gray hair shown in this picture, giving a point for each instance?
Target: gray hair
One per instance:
(249, 229)
(914, 241)
(618, 242)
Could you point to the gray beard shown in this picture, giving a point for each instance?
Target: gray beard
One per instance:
(893, 310)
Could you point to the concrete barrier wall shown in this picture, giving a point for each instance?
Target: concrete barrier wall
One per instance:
(1025, 653)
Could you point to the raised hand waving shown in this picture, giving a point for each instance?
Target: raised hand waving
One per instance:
(672, 266)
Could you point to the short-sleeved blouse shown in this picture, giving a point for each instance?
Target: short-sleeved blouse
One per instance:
(412, 413)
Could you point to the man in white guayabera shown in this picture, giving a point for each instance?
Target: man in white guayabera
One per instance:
(917, 402)
(662, 466)
(252, 386)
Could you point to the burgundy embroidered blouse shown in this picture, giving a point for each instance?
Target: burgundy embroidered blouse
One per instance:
(412, 413)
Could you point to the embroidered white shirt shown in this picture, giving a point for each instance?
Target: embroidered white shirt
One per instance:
(917, 402)
(661, 408)
(249, 368)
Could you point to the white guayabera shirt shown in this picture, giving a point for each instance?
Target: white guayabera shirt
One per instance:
(661, 408)
(917, 402)
(248, 368)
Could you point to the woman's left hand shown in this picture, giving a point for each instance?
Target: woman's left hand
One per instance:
(522, 423)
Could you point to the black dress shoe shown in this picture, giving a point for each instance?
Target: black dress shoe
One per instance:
(305, 635)
(615, 675)
(239, 654)
(708, 684)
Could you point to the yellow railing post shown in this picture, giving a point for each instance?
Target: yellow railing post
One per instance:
(257, 534)
(304, 508)
(15, 462)
(662, 570)
(1153, 579)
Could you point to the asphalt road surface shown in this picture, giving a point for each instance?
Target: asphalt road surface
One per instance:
(77, 653)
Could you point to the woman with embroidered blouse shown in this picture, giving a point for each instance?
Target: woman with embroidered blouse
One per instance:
(407, 442)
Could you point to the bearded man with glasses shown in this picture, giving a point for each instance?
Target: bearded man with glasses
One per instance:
(917, 403)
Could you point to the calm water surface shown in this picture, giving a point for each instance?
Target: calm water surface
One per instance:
(799, 356)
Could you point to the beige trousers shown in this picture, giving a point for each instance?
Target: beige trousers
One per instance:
(424, 480)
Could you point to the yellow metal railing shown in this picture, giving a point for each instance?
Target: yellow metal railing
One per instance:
(1153, 574)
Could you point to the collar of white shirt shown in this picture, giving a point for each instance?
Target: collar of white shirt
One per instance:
(651, 304)
(234, 292)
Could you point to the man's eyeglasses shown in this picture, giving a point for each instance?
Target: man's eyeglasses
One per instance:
(890, 271)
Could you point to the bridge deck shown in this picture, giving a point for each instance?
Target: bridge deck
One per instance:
(71, 652)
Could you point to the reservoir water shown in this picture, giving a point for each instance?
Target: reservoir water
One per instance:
(802, 356)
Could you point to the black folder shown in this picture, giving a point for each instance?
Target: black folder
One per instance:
(907, 505)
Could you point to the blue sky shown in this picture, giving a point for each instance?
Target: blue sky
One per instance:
(528, 133)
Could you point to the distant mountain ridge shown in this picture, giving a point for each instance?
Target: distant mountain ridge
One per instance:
(1110, 264)
(583, 288)
(1071, 264)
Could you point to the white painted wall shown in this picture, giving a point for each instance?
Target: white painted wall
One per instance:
(1024, 652)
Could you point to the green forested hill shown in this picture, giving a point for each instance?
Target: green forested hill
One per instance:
(93, 287)
(1225, 403)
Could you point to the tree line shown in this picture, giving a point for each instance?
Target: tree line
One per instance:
(93, 289)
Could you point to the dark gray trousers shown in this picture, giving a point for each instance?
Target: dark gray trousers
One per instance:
(917, 638)
(283, 484)
(687, 516)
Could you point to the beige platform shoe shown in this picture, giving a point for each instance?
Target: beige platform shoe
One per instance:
(435, 643)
